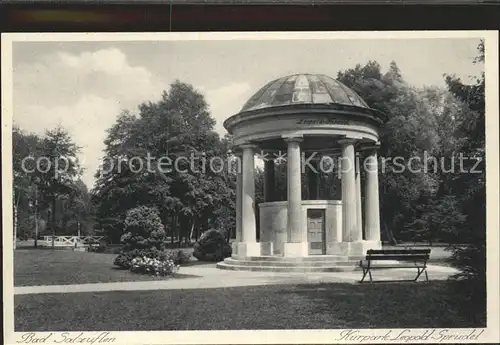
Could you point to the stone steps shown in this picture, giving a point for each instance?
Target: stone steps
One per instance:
(286, 263)
(330, 268)
(312, 258)
(280, 264)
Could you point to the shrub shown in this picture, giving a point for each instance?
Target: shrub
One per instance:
(178, 256)
(143, 230)
(156, 267)
(122, 261)
(144, 236)
(212, 246)
(469, 286)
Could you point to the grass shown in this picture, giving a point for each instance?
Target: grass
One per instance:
(319, 306)
(311, 306)
(54, 267)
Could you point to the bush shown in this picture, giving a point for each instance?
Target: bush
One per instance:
(178, 256)
(124, 259)
(144, 236)
(143, 230)
(212, 246)
(145, 265)
(469, 286)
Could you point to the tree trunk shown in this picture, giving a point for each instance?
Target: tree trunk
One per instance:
(191, 232)
(183, 226)
(53, 221)
(36, 223)
(172, 230)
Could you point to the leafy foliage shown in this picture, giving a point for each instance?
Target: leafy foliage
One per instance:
(439, 219)
(155, 267)
(470, 188)
(47, 185)
(143, 230)
(408, 132)
(212, 246)
(437, 203)
(189, 197)
(177, 256)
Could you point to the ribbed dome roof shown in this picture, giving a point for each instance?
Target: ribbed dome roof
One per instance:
(303, 89)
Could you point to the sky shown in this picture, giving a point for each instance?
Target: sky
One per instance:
(84, 86)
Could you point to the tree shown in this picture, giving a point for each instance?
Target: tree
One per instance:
(177, 130)
(470, 189)
(77, 213)
(408, 131)
(24, 153)
(45, 189)
(58, 169)
(438, 219)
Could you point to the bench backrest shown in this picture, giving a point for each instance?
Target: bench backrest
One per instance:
(398, 254)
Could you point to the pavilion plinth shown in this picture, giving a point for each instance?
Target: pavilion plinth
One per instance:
(315, 121)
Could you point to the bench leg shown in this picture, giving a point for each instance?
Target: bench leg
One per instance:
(364, 274)
(370, 274)
(419, 273)
(426, 276)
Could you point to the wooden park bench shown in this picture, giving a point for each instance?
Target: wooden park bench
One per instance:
(407, 258)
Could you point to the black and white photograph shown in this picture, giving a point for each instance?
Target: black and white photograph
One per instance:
(333, 187)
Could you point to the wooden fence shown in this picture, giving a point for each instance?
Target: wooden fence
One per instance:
(69, 241)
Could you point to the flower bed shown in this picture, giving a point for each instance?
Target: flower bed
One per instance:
(178, 257)
(155, 267)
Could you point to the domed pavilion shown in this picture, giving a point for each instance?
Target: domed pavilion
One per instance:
(312, 122)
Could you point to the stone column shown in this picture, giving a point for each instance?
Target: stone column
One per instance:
(296, 233)
(359, 209)
(372, 211)
(269, 185)
(248, 245)
(266, 233)
(350, 229)
(239, 191)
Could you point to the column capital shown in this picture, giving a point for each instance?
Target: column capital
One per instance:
(293, 139)
(370, 147)
(249, 146)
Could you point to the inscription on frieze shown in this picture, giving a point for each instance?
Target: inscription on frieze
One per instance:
(327, 121)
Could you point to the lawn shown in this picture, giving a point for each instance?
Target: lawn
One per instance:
(386, 305)
(54, 267)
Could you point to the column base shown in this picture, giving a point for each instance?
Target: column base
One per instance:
(248, 249)
(234, 247)
(296, 249)
(266, 248)
(252, 249)
(353, 249)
